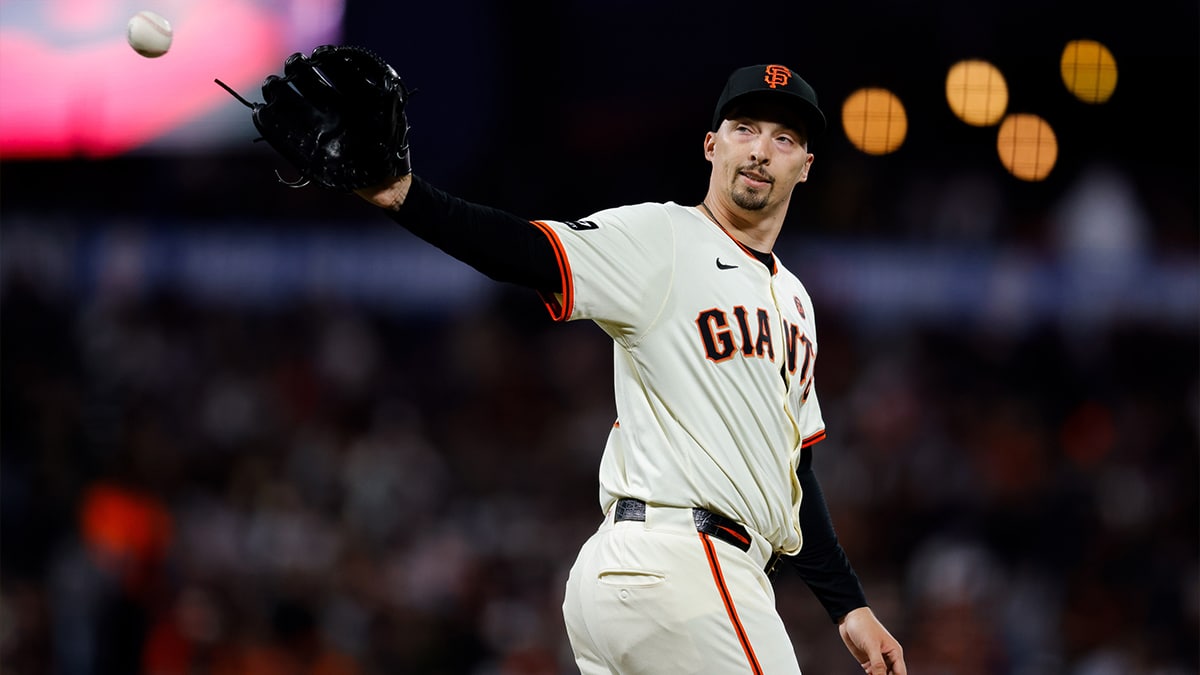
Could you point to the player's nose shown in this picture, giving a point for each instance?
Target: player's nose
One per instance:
(760, 151)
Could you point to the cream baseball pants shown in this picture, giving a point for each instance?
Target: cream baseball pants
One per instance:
(656, 597)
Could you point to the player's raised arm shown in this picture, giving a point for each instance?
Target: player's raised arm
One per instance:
(499, 244)
(338, 117)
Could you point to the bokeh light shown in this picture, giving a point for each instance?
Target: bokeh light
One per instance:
(1027, 146)
(977, 92)
(874, 120)
(1089, 71)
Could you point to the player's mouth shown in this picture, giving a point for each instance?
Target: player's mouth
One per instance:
(755, 178)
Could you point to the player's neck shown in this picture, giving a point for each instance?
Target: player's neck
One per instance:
(749, 229)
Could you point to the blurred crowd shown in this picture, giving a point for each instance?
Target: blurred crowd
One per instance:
(195, 485)
(196, 488)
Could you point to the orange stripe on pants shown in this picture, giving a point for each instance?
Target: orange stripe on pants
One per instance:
(715, 565)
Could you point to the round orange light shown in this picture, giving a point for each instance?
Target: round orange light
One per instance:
(1027, 146)
(976, 92)
(874, 121)
(1089, 71)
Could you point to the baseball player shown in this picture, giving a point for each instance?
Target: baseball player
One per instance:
(706, 478)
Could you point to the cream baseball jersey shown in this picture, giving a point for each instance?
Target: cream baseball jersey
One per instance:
(713, 363)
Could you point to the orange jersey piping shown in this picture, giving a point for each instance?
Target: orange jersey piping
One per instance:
(745, 249)
(559, 310)
(815, 438)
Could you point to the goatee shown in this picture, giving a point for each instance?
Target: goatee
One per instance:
(751, 200)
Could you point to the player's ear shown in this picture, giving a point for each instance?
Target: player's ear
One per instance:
(807, 165)
(710, 144)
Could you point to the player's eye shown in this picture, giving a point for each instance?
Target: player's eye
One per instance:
(791, 139)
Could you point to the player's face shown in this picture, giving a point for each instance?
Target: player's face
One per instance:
(760, 155)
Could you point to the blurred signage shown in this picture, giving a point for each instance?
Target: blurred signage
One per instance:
(71, 86)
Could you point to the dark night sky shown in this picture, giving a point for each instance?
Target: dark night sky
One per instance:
(619, 68)
(565, 107)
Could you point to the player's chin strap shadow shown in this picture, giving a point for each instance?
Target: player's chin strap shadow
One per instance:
(299, 182)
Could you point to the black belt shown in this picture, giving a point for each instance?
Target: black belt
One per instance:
(712, 524)
(707, 522)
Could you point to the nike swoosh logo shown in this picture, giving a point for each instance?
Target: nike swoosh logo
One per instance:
(723, 266)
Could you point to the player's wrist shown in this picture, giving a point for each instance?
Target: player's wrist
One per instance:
(389, 195)
(856, 610)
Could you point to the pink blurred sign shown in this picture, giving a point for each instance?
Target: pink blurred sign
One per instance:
(71, 86)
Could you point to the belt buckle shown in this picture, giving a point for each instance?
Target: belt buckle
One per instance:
(772, 565)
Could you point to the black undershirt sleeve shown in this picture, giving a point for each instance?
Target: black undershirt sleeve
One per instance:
(821, 562)
(499, 244)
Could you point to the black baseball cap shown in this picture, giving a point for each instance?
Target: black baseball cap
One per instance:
(771, 81)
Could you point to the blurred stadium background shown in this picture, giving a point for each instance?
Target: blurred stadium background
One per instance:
(254, 429)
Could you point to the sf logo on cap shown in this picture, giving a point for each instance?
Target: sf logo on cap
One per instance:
(777, 76)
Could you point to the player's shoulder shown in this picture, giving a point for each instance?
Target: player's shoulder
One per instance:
(641, 209)
(642, 214)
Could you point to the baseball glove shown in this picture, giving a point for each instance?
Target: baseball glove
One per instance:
(337, 116)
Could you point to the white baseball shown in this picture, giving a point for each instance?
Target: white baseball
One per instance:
(149, 34)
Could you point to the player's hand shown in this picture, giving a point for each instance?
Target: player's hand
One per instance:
(871, 644)
(389, 194)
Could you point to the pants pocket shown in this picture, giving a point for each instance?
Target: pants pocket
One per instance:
(631, 578)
